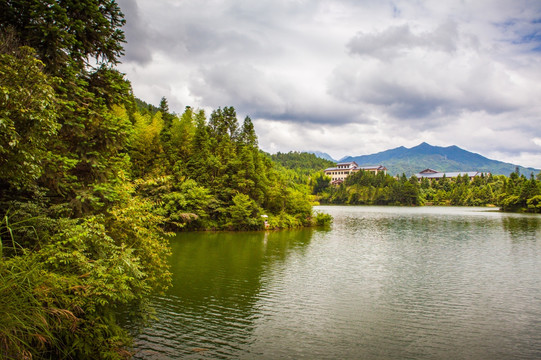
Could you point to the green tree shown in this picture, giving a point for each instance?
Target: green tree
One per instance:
(165, 133)
(182, 134)
(248, 136)
(146, 145)
(244, 213)
(197, 166)
(67, 32)
(28, 119)
(223, 123)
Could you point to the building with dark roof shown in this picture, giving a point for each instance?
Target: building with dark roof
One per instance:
(433, 174)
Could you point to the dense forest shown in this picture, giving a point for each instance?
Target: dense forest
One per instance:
(93, 180)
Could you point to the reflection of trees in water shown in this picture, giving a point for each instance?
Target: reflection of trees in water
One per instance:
(522, 227)
(223, 258)
(217, 279)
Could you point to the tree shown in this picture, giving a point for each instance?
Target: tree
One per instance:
(146, 145)
(534, 204)
(28, 118)
(244, 213)
(320, 183)
(197, 165)
(247, 133)
(165, 134)
(182, 134)
(223, 123)
(67, 32)
(88, 247)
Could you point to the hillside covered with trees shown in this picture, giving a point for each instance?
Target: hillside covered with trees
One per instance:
(92, 181)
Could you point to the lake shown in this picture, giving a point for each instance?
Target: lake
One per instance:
(380, 283)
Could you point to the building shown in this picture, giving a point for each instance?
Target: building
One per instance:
(433, 174)
(342, 170)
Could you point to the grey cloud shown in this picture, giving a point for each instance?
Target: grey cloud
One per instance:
(237, 83)
(436, 87)
(192, 34)
(200, 41)
(418, 75)
(398, 39)
(137, 48)
(267, 96)
(313, 114)
(397, 99)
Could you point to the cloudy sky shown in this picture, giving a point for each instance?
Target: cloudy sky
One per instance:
(349, 77)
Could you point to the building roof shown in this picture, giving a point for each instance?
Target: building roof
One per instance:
(347, 163)
(438, 175)
(369, 167)
(356, 167)
(429, 171)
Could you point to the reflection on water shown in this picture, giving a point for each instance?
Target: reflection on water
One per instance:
(382, 283)
(209, 312)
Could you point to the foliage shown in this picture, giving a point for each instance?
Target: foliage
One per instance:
(216, 177)
(323, 219)
(76, 244)
(367, 188)
(28, 118)
(301, 160)
(75, 280)
(243, 213)
(92, 181)
(66, 31)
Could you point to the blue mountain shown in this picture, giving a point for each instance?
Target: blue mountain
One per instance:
(322, 155)
(446, 159)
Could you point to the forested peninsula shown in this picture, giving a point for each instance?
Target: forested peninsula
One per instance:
(92, 181)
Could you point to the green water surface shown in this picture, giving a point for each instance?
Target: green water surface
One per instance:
(380, 283)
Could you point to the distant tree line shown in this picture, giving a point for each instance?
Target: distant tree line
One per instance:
(516, 192)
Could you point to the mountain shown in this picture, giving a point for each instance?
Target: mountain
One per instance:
(322, 155)
(446, 159)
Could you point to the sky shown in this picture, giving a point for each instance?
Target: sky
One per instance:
(349, 77)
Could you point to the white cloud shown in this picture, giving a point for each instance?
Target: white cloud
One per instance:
(349, 77)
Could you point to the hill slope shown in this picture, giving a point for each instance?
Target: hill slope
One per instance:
(303, 161)
(322, 155)
(452, 158)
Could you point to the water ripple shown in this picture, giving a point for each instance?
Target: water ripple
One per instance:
(384, 283)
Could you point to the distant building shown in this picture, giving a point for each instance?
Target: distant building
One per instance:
(341, 171)
(433, 174)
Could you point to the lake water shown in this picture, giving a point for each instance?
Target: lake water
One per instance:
(380, 283)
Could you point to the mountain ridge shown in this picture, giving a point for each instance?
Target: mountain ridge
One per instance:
(412, 160)
(322, 155)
